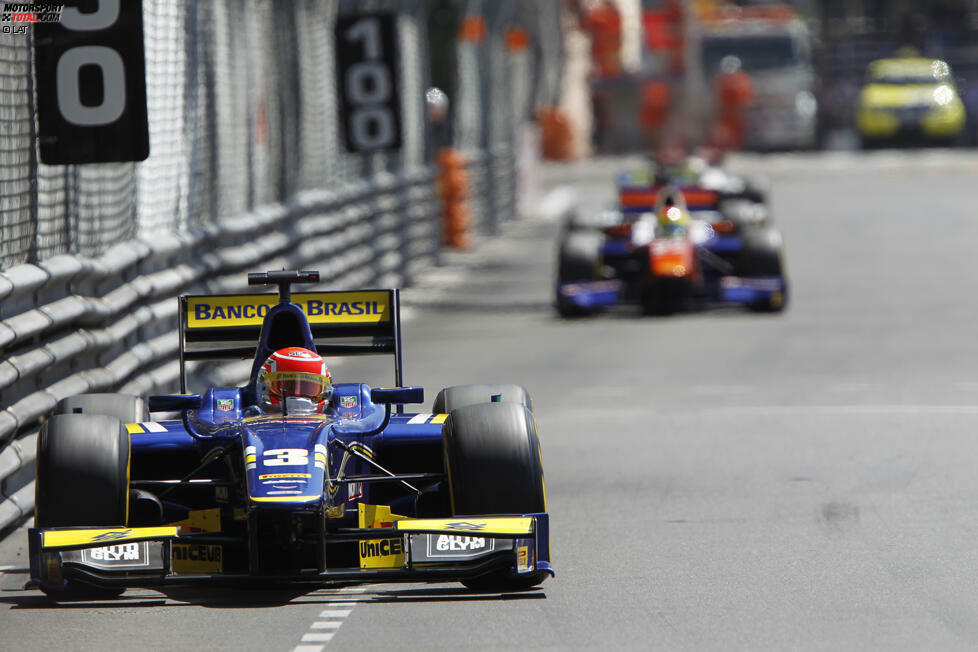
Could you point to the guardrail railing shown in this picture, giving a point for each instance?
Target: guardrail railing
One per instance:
(71, 325)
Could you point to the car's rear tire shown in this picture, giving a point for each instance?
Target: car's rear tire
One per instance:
(125, 407)
(82, 480)
(458, 396)
(494, 464)
(577, 260)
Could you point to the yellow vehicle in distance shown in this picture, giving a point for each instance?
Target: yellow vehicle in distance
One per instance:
(909, 100)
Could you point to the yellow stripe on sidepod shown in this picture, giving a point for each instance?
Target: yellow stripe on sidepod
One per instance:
(439, 418)
(132, 428)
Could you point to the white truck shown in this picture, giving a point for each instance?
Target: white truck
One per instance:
(774, 46)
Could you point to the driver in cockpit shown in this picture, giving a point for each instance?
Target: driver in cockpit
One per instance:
(672, 216)
(294, 381)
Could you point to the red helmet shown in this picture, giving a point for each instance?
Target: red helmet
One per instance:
(295, 371)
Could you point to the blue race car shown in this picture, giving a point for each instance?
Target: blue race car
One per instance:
(354, 490)
(728, 252)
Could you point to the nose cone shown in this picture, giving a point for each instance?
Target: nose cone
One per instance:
(285, 463)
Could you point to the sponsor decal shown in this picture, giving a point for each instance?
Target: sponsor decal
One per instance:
(449, 542)
(196, 558)
(225, 404)
(356, 491)
(465, 525)
(124, 552)
(522, 559)
(112, 535)
(379, 553)
(124, 555)
(381, 548)
(348, 401)
(455, 547)
(369, 307)
(281, 476)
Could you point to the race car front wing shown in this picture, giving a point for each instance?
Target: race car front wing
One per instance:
(423, 550)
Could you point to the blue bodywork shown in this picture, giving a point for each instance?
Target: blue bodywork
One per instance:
(302, 496)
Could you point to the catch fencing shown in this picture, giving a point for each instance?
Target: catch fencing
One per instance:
(247, 171)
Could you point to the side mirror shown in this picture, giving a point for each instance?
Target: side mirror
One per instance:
(174, 402)
(397, 395)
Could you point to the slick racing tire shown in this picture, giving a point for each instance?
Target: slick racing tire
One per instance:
(82, 479)
(763, 255)
(577, 260)
(458, 396)
(494, 464)
(125, 407)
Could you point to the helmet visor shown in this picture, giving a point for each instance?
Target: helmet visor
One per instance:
(292, 383)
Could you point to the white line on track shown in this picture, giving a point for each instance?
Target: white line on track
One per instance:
(329, 621)
(841, 409)
(335, 613)
(5, 568)
(848, 387)
(723, 389)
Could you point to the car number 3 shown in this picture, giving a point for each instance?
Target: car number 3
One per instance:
(286, 457)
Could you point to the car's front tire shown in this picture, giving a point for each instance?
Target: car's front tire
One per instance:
(495, 467)
(577, 260)
(125, 407)
(763, 256)
(82, 480)
(457, 396)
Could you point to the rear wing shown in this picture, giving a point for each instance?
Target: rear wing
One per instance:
(341, 323)
(642, 199)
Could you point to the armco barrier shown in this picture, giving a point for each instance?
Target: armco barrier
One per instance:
(70, 326)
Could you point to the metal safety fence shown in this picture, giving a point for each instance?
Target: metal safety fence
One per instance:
(247, 171)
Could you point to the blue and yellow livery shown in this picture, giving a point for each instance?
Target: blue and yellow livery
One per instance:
(361, 491)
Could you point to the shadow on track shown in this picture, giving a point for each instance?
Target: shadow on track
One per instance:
(452, 594)
(37, 601)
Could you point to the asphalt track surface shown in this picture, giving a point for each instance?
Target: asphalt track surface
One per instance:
(720, 480)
